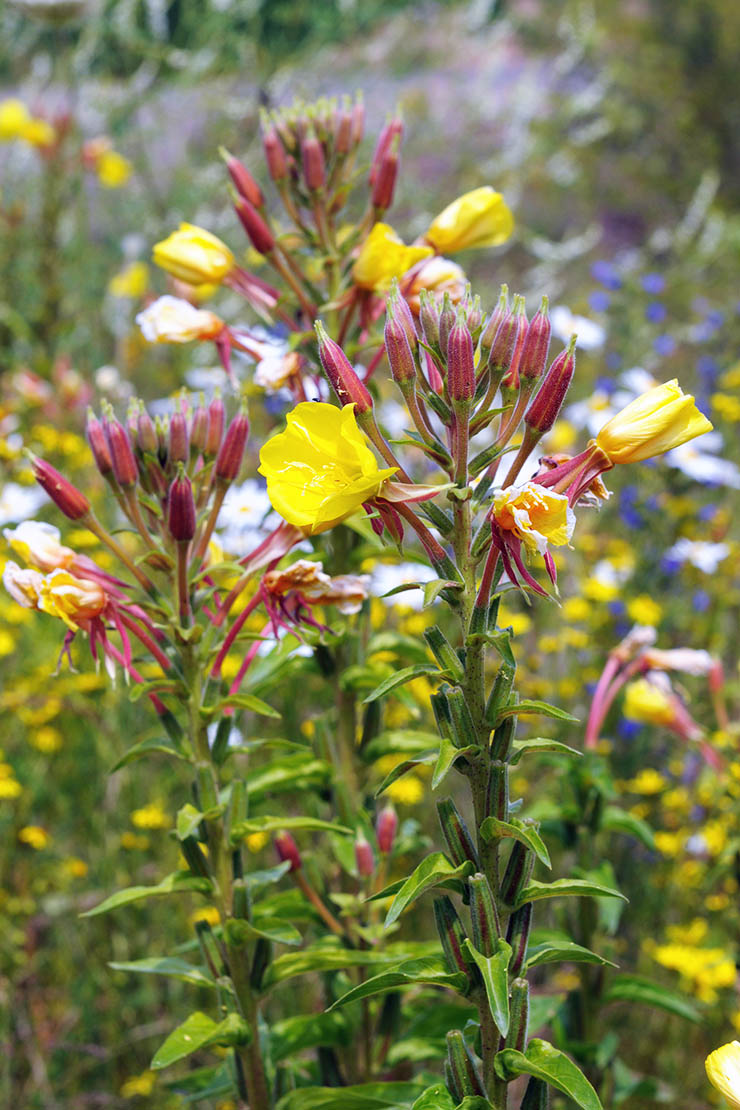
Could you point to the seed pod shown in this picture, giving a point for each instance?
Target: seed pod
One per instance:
(452, 935)
(464, 732)
(500, 691)
(497, 803)
(483, 915)
(193, 854)
(231, 454)
(65, 496)
(456, 833)
(260, 962)
(341, 374)
(444, 652)
(518, 873)
(544, 409)
(181, 508)
(519, 1015)
(465, 1075)
(517, 935)
(502, 739)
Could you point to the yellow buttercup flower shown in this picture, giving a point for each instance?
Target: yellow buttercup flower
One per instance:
(69, 598)
(723, 1072)
(193, 255)
(659, 420)
(14, 117)
(645, 702)
(535, 514)
(480, 218)
(384, 257)
(113, 169)
(320, 469)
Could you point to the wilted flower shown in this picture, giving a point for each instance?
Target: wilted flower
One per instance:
(723, 1071)
(320, 470)
(438, 276)
(173, 320)
(194, 255)
(480, 218)
(384, 256)
(38, 544)
(663, 418)
(537, 516)
(345, 591)
(73, 600)
(22, 584)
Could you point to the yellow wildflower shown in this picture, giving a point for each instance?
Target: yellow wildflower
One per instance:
(151, 816)
(256, 841)
(139, 1085)
(407, 791)
(576, 609)
(74, 867)
(9, 788)
(647, 781)
(645, 702)
(194, 255)
(46, 739)
(726, 405)
(132, 281)
(657, 421)
(34, 836)
(39, 132)
(206, 913)
(7, 642)
(383, 257)
(113, 169)
(480, 218)
(535, 514)
(69, 598)
(320, 469)
(643, 610)
(14, 118)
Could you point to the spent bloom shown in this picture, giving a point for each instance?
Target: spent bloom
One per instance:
(73, 600)
(383, 257)
(659, 420)
(480, 218)
(38, 544)
(536, 515)
(438, 276)
(194, 255)
(723, 1072)
(173, 320)
(320, 470)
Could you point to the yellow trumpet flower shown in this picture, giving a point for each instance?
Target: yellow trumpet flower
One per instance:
(723, 1072)
(193, 255)
(384, 257)
(657, 421)
(480, 218)
(535, 514)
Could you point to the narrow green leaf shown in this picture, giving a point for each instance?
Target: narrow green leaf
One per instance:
(433, 589)
(541, 708)
(147, 747)
(495, 972)
(398, 678)
(277, 824)
(619, 820)
(281, 932)
(366, 1096)
(448, 755)
(435, 1098)
(188, 821)
(633, 988)
(401, 769)
(171, 966)
(241, 701)
(318, 958)
(539, 744)
(563, 951)
(493, 829)
(199, 1031)
(576, 888)
(543, 1061)
(178, 882)
(432, 971)
(431, 872)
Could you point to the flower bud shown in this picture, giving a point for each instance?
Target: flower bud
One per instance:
(544, 409)
(342, 376)
(429, 316)
(451, 934)
(465, 1075)
(216, 422)
(400, 358)
(510, 380)
(98, 444)
(499, 314)
(364, 859)
(179, 448)
(275, 156)
(447, 318)
(146, 435)
(535, 347)
(288, 850)
(399, 308)
(393, 128)
(385, 829)
(65, 496)
(358, 121)
(314, 165)
(255, 226)
(483, 915)
(518, 1015)
(518, 873)
(343, 129)
(231, 453)
(199, 429)
(474, 318)
(385, 182)
(181, 508)
(456, 833)
(122, 456)
(244, 183)
(460, 362)
(517, 936)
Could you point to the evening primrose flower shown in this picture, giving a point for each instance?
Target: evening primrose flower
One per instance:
(480, 218)
(659, 420)
(113, 169)
(71, 599)
(383, 257)
(131, 281)
(14, 118)
(320, 470)
(537, 516)
(194, 255)
(173, 320)
(23, 585)
(648, 703)
(438, 276)
(38, 544)
(723, 1072)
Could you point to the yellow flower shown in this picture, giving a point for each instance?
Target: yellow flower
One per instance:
(131, 281)
(173, 320)
(14, 118)
(46, 739)
(407, 791)
(657, 421)
(71, 599)
(480, 218)
(24, 586)
(9, 788)
(647, 781)
(34, 836)
(438, 276)
(643, 701)
(193, 255)
(113, 169)
(383, 257)
(320, 469)
(723, 1072)
(39, 132)
(150, 817)
(535, 514)
(38, 544)
(643, 610)
(139, 1085)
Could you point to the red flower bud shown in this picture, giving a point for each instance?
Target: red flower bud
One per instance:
(429, 316)
(314, 165)
(122, 456)
(385, 829)
(400, 358)
(499, 314)
(510, 380)
(358, 121)
(255, 226)
(340, 372)
(179, 448)
(385, 181)
(460, 363)
(288, 850)
(181, 508)
(98, 444)
(392, 128)
(65, 496)
(343, 132)
(398, 307)
(229, 460)
(244, 183)
(364, 858)
(544, 409)
(199, 429)
(275, 156)
(535, 347)
(146, 435)
(216, 422)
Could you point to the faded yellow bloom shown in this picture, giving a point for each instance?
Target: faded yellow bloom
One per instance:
(38, 544)
(383, 257)
(194, 255)
(173, 320)
(480, 218)
(438, 276)
(657, 421)
(536, 515)
(71, 599)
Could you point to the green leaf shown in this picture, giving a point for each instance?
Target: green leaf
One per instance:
(367, 1096)
(400, 645)
(432, 971)
(179, 882)
(433, 589)
(407, 741)
(199, 1031)
(291, 773)
(435, 1098)
(431, 872)
(543, 1061)
(171, 966)
(495, 972)
(145, 748)
(241, 701)
(448, 756)
(474, 1102)
(398, 678)
(401, 769)
(539, 744)
(557, 950)
(541, 708)
(619, 820)
(277, 824)
(188, 821)
(493, 829)
(577, 888)
(282, 932)
(633, 988)
(293, 1035)
(318, 958)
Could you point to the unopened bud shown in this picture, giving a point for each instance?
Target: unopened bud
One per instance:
(398, 307)
(474, 318)
(216, 422)
(456, 833)
(393, 128)
(535, 347)
(358, 121)
(400, 357)
(179, 447)
(275, 156)
(199, 429)
(146, 435)
(343, 130)
(483, 915)
(385, 181)
(517, 936)
(512, 327)
(288, 851)
(231, 453)
(429, 317)
(181, 508)
(65, 496)
(518, 873)
(244, 183)
(451, 934)
(98, 444)
(255, 226)
(544, 409)
(447, 318)
(518, 1015)
(385, 829)
(364, 859)
(499, 314)
(341, 374)
(510, 380)
(465, 1074)
(460, 362)
(122, 456)
(314, 165)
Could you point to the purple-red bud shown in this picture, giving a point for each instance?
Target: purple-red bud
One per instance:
(400, 358)
(447, 318)
(313, 162)
(98, 444)
(275, 156)
(497, 317)
(181, 508)
(341, 374)
(535, 347)
(65, 496)
(460, 362)
(179, 447)
(385, 829)
(288, 851)
(429, 317)
(216, 422)
(231, 454)
(255, 226)
(146, 435)
(199, 429)
(358, 122)
(384, 184)
(364, 858)
(385, 138)
(510, 380)
(244, 183)
(121, 452)
(544, 409)
(343, 132)
(398, 307)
